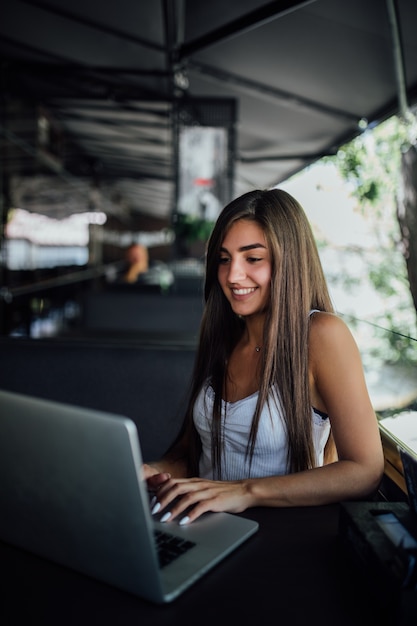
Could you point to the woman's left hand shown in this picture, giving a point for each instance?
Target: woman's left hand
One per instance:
(185, 499)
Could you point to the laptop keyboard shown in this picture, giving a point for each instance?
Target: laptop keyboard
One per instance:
(170, 547)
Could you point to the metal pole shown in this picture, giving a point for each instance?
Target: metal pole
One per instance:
(393, 16)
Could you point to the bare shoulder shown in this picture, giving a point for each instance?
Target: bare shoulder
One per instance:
(323, 323)
(335, 366)
(329, 333)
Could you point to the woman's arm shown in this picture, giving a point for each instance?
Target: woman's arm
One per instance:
(338, 387)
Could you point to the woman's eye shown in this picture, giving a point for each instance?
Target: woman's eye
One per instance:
(223, 260)
(254, 259)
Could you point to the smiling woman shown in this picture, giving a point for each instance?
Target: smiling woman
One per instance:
(278, 379)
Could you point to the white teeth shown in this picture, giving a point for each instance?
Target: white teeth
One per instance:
(243, 292)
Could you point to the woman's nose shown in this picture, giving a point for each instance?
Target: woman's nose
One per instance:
(236, 272)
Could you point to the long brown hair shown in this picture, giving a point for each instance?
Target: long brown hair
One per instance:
(298, 285)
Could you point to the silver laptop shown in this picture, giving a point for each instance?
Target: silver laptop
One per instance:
(71, 491)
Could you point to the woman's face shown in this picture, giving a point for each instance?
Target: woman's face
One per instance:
(244, 271)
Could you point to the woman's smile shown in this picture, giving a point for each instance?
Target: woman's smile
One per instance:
(243, 291)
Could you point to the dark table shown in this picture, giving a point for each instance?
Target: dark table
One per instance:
(293, 571)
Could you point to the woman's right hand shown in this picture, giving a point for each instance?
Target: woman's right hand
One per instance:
(154, 477)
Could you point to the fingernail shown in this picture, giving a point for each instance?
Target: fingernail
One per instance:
(165, 517)
(153, 501)
(184, 520)
(156, 508)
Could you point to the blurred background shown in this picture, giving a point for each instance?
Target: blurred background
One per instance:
(130, 127)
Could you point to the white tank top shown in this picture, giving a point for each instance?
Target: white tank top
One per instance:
(271, 447)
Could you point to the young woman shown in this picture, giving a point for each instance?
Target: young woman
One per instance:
(279, 413)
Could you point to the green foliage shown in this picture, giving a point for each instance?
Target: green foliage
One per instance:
(190, 228)
(370, 165)
(394, 346)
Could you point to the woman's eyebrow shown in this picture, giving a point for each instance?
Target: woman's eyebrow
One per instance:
(250, 246)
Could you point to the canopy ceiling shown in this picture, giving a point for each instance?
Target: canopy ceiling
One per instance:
(305, 77)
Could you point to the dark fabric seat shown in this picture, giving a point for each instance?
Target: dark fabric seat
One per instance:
(146, 383)
(145, 312)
